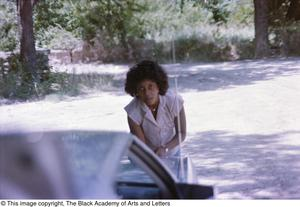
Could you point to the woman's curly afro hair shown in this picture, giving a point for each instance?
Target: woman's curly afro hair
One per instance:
(146, 70)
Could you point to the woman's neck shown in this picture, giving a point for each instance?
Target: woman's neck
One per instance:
(154, 108)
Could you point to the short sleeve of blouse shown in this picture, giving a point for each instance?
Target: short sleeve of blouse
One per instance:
(134, 111)
(175, 103)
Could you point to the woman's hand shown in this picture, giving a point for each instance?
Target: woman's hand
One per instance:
(161, 151)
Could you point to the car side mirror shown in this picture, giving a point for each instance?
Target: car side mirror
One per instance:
(194, 191)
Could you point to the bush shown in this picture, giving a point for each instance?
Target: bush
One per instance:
(294, 39)
(57, 38)
(208, 43)
(15, 84)
(8, 26)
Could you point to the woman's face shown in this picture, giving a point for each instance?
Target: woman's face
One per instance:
(147, 91)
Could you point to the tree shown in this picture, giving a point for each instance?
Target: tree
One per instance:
(294, 10)
(282, 16)
(261, 28)
(27, 50)
(112, 21)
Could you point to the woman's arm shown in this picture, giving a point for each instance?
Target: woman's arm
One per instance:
(136, 129)
(180, 134)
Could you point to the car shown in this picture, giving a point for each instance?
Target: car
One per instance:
(75, 164)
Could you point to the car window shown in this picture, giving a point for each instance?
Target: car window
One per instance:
(142, 175)
(131, 172)
(133, 182)
(94, 159)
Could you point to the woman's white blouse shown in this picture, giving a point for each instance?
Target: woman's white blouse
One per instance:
(159, 131)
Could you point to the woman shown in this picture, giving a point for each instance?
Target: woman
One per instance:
(153, 113)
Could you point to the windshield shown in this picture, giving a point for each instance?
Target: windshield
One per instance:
(180, 166)
(78, 164)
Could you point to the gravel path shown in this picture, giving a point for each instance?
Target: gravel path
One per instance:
(243, 121)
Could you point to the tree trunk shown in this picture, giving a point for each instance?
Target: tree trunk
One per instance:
(261, 28)
(28, 52)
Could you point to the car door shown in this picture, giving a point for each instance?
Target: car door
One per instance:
(143, 175)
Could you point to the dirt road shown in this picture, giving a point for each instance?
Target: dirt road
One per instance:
(243, 122)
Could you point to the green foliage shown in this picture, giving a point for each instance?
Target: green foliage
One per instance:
(279, 26)
(55, 24)
(58, 38)
(121, 25)
(241, 13)
(224, 11)
(49, 13)
(215, 43)
(165, 20)
(219, 10)
(15, 84)
(59, 83)
(8, 26)
(113, 19)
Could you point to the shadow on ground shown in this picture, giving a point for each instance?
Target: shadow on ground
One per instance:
(199, 77)
(247, 166)
(225, 75)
